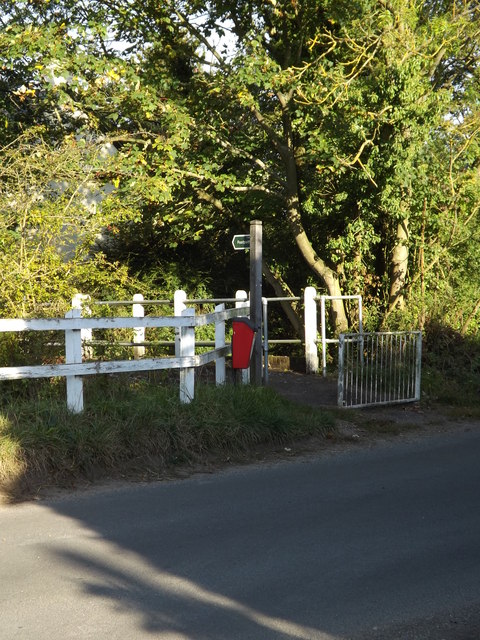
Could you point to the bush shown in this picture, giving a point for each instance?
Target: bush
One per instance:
(451, 366)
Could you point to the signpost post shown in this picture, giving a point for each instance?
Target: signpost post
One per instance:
(256, 299)
(253, 242)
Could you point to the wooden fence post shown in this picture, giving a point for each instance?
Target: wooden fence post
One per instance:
(138, 311)
(323, 320)
(311, 350)
(256, 369)
(243, 301)
(80, 301)
(73, 355)
(219, 343)
(187, 348)
(179, 306)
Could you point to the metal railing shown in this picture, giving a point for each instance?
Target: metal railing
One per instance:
(379, 368)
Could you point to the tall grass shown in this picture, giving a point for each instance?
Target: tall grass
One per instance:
(134, 426)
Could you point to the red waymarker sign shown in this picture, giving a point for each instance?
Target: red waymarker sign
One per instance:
(242, 342)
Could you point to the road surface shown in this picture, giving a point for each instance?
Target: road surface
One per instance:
(380, 542)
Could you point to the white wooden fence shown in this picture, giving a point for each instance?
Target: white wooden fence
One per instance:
(315, 338)
(74, 368)
(79, 343)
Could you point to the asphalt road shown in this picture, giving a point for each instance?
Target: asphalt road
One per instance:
(379, 542)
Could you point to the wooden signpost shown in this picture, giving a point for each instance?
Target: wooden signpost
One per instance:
(256, 372)
(253, 242)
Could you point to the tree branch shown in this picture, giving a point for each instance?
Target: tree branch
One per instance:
(199, 35)
(260, 163)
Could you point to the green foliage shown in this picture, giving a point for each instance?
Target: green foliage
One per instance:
(331, 122)
(49, 224)
(451, 369)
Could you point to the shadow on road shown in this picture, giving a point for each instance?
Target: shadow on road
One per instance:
(190, 559)
(332, 549)
(165, 605)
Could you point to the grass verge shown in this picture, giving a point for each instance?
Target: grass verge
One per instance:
(137, 429)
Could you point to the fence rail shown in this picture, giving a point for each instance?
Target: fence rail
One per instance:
(379, 368)
(374, 368)
(312, 342)
(73, 325)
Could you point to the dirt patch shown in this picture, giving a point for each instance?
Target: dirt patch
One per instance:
(313, 390)
(369, 423)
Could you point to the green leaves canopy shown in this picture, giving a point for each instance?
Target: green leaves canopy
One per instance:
(332, 122)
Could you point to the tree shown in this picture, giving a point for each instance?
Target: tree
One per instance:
(49, 222)
(332, 122)
(350, 130)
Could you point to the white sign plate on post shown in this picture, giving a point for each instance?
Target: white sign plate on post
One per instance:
(241, 242)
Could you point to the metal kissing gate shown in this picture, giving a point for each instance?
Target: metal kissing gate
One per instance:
(379, 368)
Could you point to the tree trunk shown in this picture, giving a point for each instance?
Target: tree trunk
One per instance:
(318, 266)
(286, 148)
(327, 275)
(399, 264)
(470, 317)
(282, 291)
